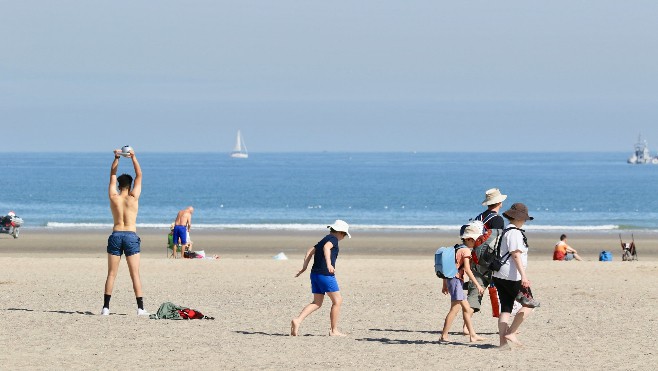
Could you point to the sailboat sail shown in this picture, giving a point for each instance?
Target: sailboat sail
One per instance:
(240, 149)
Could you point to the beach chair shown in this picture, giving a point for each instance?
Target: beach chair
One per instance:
(170, 247)
(629, 253)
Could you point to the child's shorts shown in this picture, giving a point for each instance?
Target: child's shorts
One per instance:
(321, 284)
(456, 289)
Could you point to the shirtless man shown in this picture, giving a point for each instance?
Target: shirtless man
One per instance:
(182, 227)
(565, 252)
(124, 204)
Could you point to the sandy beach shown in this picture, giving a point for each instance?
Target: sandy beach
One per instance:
(593, 315)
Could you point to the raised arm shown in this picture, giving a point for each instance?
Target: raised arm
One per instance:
(137, 185)
(112, 189)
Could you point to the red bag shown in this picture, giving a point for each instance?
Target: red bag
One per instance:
(189, 313)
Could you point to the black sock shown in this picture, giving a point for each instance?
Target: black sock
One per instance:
(106, 301)
(140, 303)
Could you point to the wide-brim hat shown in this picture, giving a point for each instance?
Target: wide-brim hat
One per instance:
(493, 196)
(518, 211)
(340, 226)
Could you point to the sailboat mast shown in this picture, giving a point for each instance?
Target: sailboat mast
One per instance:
(238, 143)
(242, 145)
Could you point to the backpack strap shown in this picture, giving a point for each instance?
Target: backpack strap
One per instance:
(457, 247)
(508, 255)
(487, 219)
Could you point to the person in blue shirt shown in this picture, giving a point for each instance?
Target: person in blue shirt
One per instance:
(323, 280)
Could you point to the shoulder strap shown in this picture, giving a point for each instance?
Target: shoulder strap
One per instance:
(525, 240)
(457, 247)
(487, 219)
(501, 239)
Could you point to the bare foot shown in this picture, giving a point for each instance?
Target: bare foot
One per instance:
(336, 333)
(476, 337)
(294, 327)
(465, 330)
(513, 339)
(504, 346)
(443, 340)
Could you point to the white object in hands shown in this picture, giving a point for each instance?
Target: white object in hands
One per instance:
(125, 151)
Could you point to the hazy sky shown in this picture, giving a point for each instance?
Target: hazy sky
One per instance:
(348, 75)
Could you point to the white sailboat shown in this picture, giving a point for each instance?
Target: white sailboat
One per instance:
(240, 149)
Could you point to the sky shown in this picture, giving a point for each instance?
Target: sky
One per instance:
(345, 75)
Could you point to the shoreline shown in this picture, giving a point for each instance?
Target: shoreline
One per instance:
(266, 243)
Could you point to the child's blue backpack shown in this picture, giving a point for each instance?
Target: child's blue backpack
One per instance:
(445, 261)
(605, 256)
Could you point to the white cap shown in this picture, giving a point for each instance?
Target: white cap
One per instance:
(473, 230)
(340, 226)
(125, 151)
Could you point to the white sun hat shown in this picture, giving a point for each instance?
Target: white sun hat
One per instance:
(473, 230)
(493, 196)
(340, 226)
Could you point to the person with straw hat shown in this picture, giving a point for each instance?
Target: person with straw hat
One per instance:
(493, 200)
(323, 279)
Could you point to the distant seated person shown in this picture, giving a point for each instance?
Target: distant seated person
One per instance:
(564, 252)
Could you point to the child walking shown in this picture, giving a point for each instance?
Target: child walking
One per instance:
(323, 280)
(455, 285)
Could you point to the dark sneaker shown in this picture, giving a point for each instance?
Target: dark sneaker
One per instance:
(526, 301)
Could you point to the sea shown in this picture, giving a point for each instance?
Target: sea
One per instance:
(303, 191)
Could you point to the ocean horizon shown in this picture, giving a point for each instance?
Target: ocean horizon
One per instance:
(577, 191)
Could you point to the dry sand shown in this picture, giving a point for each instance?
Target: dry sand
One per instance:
(593, 315)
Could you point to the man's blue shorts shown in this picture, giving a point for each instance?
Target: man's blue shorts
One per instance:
(321, 284)
(123, 243)
(180, 232)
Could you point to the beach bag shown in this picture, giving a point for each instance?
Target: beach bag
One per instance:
(605, 256)
(189, 313)
(445, 261)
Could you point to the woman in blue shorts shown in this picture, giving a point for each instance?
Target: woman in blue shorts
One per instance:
(323, 281)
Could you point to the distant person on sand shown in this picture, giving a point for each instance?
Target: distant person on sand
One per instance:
(511, 280)
(182, 226)
(564, 252)
(455, 285)
(493, 200)
(124, 204)
(323, 280)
